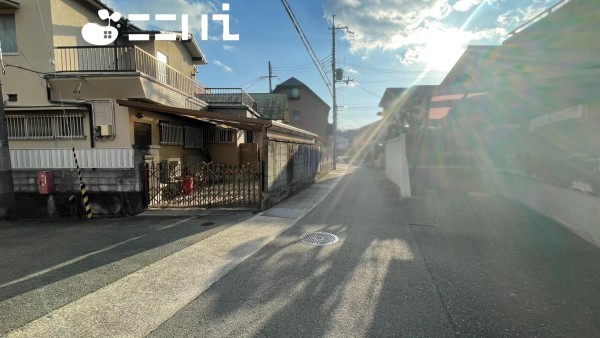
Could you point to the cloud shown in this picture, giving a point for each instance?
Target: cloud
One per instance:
(351, 70)
(425, 31)
(513, 18)
(465, 5)
(387, 24)
(230, 48)
(224, 66)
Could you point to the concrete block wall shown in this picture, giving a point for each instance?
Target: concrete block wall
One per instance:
(68, 180)
(113, 192)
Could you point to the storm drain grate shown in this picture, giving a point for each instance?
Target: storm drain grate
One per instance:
(319, 239)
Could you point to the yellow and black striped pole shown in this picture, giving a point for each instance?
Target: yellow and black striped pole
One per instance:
(84, 193)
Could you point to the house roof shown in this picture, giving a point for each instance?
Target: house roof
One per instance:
(389, 96)
(471, 66)
(270, 106)
(9, 4)
(293, 82)
(281, 131)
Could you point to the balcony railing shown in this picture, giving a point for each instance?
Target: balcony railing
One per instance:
(234, 96)
(124, 59)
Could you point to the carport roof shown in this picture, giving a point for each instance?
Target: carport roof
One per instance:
(232, 121)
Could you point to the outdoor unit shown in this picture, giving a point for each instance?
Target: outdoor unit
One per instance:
(106, 130)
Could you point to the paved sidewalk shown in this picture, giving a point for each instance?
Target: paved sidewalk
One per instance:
(139, 302)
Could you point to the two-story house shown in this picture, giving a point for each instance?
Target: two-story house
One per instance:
(306, 109)
(118, 105)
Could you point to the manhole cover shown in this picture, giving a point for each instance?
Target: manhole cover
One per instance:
(319, 238)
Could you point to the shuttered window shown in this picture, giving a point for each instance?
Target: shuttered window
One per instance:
(68, 126)
(171, 134)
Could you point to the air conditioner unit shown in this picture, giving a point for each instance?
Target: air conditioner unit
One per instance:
(106, 130)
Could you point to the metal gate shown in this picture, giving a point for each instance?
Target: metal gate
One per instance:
(172, 184)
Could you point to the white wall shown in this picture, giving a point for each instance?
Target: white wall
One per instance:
(576, 210)
(396, 164)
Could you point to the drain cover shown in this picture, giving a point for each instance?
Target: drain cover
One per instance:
(319, 238)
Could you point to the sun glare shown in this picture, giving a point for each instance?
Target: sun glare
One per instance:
(443, 49)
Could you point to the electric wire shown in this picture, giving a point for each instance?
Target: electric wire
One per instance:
(307, 45)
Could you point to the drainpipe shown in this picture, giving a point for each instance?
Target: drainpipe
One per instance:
(80, 102)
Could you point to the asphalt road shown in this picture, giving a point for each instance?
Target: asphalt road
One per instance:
(46, 264)
(443, 264)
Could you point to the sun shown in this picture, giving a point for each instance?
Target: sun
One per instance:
(442, 48)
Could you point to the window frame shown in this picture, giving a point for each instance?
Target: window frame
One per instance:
(45, 126)
(14, 31)
(170, 134)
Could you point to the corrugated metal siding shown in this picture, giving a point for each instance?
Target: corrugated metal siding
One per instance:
(114, 158)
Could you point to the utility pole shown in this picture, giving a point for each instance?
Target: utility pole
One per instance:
(7, 192)
(270, 77)
(338, 76)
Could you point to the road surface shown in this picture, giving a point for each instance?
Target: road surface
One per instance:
(443, 264)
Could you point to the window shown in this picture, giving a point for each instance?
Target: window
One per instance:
(193, 138)
(249, 136)
(161, 67)
(142, 134)
(293, 93)
(69, 126)
(8, 33)
(171, 134)
(219, 135)
(295, 115)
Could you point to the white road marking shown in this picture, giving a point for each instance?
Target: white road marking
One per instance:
(80, 258)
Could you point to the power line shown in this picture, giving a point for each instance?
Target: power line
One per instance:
(366, 90)
(307, 45)
(390, 70)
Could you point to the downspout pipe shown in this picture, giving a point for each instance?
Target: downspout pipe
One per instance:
(79, 102)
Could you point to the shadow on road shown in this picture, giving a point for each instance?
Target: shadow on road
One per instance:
(475, 265)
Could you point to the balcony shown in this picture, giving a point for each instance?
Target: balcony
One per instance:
(227, 96)
(124, 59)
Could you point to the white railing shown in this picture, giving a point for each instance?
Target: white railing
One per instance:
(110, 158)
(123, 59)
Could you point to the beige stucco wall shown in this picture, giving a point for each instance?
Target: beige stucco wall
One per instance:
(33, 53)
(164, 152)
(223, 153)
(178, 56)
(313, 115)
(68, 17)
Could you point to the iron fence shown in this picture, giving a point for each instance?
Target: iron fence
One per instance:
(172, 184)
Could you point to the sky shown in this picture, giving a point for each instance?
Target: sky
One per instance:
(395, 43)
